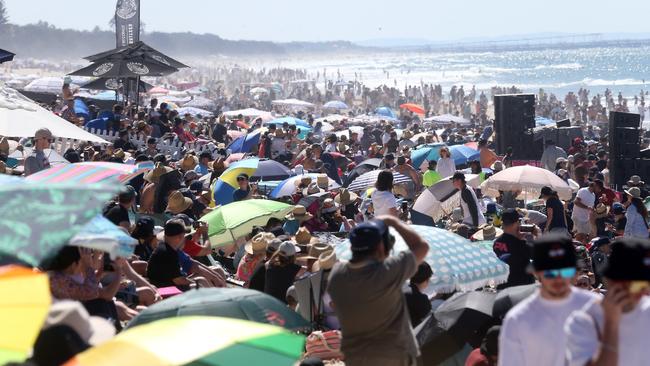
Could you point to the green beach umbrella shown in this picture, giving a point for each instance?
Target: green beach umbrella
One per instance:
(38, 219)
(235, 220)
(239, 303)
(197, 340)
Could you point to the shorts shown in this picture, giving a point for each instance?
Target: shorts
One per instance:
(581, 227)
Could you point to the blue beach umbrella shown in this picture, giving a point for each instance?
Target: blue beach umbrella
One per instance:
(463, 154)
(335, 104)
(386, 112)
(426, 152)
(244, 144)
(226, 185)
(543, 121)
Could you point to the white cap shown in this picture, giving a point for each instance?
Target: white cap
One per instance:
(287, 249)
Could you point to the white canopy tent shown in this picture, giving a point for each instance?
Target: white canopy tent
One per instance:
(21, 117)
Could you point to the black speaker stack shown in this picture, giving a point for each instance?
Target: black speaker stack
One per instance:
(625, 157)
(514, 123)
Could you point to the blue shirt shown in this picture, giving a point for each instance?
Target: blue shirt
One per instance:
(201, 169)
(185, 262)
(99, 124)
(291, 227)
(240, 195)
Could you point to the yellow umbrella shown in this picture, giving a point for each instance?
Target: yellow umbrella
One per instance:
(24, 305)
(246, 166)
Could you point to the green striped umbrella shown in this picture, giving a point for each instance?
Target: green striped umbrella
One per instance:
(196, 340)
(235, 220)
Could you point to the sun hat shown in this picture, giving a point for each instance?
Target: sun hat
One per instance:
(318, 248)
(259, 243)
(635, 192)
(325, 261)
(92, 329)
(346, 197)
(189, 162)
(304, 181)
(601, 211)
(635, 180)
(488, 232)
(178, 203)
(629, 260)
(303, 236)
(329, 206)
(312, 189)
(322, 180)
(553, 251)
(299, 213)
(153, 176)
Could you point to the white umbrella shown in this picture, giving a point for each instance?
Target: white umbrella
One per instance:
(248, 112)
(448, 118)
(21, 117)
(50, 84)
(200, 102)
(194, 112)
(295, 103)
(441, 198)
(527, 179)
(368, 180)
(259, 90)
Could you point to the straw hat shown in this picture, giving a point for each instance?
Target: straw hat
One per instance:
(329, 206)
(601, 210)
(303, 236)
(305, 181)
(218, 165)
(346, 197)
(635, 192)
(407, 134)
(635, 180)
(325, 261)
(178, 203)
(189, 162)
(342, 147)
(119, 153)
(258, 244)
(153, 176)
(322, 181)
(488, 232)
(312, 189)
(318, 248)
(299, 213)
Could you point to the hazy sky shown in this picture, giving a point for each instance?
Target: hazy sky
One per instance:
(355, 20)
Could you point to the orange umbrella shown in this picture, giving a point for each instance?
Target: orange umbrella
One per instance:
(413, 108)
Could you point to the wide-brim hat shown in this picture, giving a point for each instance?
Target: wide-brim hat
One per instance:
(303, 236)
(300, 214)
(189, 162)
(322, 181)
(153, 176)
(306, 181)
(601, 211)
(635, 180)
(329, 205)
(258, 244)
(178, 203)
(635, 192)
(325, 261)
(346, 197)
(313, 188)
(318, 248)
(488, 232)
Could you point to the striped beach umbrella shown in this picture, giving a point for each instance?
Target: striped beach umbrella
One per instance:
(368, 180)
(288, 186)
(90, 172)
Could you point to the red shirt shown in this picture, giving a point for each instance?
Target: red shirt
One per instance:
(192, 248)
(608, 196)
(476, 358)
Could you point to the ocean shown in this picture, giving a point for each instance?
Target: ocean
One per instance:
(556, 70)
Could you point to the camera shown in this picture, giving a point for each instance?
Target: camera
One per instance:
(526, 228)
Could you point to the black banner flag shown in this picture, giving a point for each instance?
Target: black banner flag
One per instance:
(127, 22)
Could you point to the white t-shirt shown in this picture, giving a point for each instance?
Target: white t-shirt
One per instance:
(446, 167)
(583, 342)
(588, 199)
(382, 202)
(533, 331)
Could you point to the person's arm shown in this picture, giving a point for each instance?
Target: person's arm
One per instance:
(578, 202)
(466, 196)
(549, 218)
(415, 243)
(181, 281)
(108, 293)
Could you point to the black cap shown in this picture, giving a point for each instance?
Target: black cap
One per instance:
(127, 193)
(160, 158)
(196, 186)
(458, 175)
(629, 260)
(510, 216)
(553, 251)
(174, 227)
(546, 191)
(143, 228)
(205, 154)
(366, 236)
(151, 140)
(389, 156)
(242, 176)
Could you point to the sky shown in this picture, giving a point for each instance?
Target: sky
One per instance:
(351, 20)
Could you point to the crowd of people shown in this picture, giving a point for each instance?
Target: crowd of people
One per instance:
(587, 254)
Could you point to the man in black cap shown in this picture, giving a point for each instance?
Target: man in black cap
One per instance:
(123, 142)
(535, 326)
(614, 330)
(118, 212)
(152, 147)
(512, 249)
(245, 190)
(367, 295)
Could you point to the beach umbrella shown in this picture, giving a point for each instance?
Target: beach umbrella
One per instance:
(112, 84)
(245, 143)
(102, 234)
(235, 220)
(21, 117)
(335, 104)
(509, 297)
(139, 49)
(237, 303)
(194, 112)
(294, 103)
(527, 179)
(463, 154)
(48, 84)
(363, 167)
(122, 65)
(543, 121)
(158, 90)
(41, 218)
(448, 118)
(200, 102)
(90, 172)
(52, 156)
(457, 264)
(248, 112)
(24, 306)
(291, 121)
(197, 340)
(465, 314)
(385, 112)
(270, 170)
(413, 108)
(259, 90)
(441, 198)
(425, 153)
(368, 180)
(226, 185)
(288, 186)
(6, 56)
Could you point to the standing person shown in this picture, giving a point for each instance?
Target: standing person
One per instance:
(431, 176)
(583, 208)
(512, 249)
(367, 295)
(613, 330)
(551, 154)
(555, 214)
(487, 156)
(417, 301)
(37, 161)
(446, 165)
(536, 325)
(636, 215)
(472, 213)
(383, 199)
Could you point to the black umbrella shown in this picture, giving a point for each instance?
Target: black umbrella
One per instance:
(6, 56)
(509, 297)
(123, 66)
(139, 49)
(112, 84)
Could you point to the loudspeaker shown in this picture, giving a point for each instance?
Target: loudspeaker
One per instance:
(621, 169)
(564, 123)
(642, 169)
(514, 115)
(566, 135)
(623, 119)
(624, 135)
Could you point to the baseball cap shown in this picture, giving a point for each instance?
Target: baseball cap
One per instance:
(127, 193)
(617, 208)
(510, 216)
(367, 235)
(629, 260)
(546, 191)
(553, 251)
(187, 221)
(174, 227)
(287, 249)
(274, 245)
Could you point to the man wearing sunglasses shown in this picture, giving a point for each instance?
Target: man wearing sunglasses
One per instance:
(533, 330)
(37, 161)
(613, 330)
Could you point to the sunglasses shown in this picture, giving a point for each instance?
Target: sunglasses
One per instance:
(560, 273)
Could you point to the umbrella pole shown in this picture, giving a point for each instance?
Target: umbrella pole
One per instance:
(137, 91)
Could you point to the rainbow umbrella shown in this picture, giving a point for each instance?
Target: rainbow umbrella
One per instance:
(90, 172)
(226, 185)
(23, 308)
(197, 340)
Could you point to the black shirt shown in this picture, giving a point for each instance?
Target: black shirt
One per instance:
(279, 279)
(418, 304)
(163, 266)
(219, 133)
(117, 214)
(516, 253)
(257, 280)
(559, 220)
